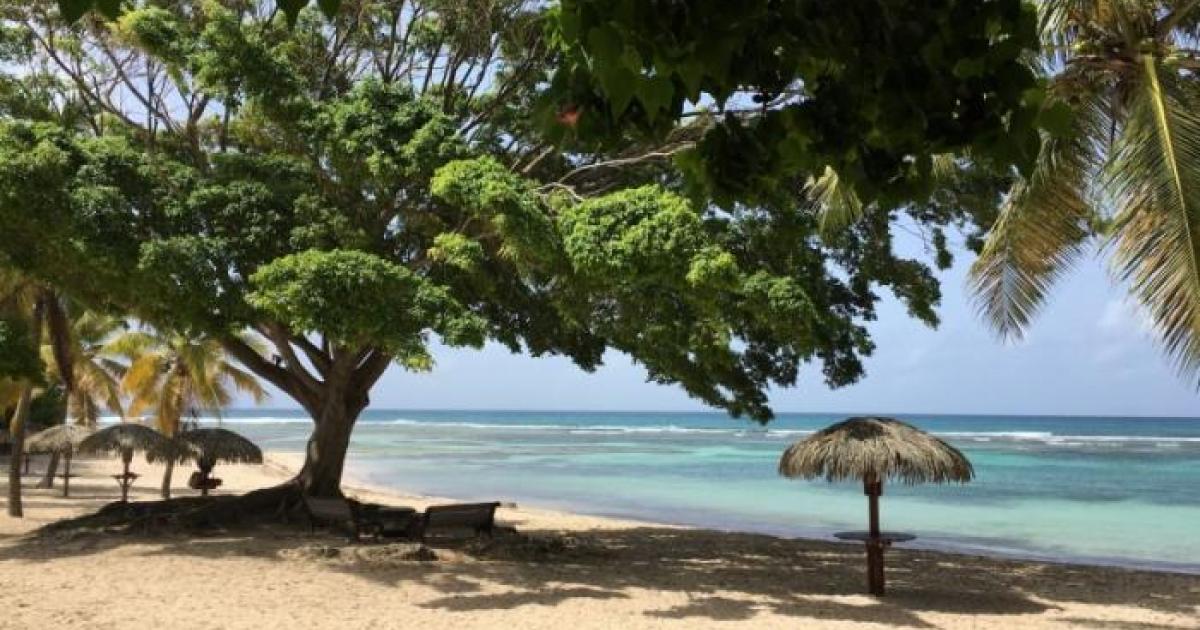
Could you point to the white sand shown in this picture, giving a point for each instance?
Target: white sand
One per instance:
(648, 576)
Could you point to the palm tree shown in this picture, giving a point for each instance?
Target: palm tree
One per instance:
(172, 375)
(96, 374)
(42, 306)
(1123, 171)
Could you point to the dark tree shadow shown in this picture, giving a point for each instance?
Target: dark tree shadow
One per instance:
(725, 576)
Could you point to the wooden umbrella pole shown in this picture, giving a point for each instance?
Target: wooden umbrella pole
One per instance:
(875, 582)
(125, 479)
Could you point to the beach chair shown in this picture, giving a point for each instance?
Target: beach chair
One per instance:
(340, 513)
(479, 517)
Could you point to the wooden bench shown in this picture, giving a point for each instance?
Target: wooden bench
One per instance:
(480, 517)
(338, 512)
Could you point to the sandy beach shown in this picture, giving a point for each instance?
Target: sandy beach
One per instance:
(571, 571)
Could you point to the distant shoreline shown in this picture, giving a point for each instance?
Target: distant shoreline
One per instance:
(710, 412)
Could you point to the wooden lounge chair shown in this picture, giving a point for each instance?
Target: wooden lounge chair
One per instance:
(480, 517)
(340, 513)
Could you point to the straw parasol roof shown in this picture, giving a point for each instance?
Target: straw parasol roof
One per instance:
(126, 437)
(220, 445)
(57, 439)
(878, 448)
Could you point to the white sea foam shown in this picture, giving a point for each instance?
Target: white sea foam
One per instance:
(735, 432)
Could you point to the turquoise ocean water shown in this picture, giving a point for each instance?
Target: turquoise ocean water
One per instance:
(1104, 490)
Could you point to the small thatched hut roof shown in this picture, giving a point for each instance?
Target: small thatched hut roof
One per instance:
(57, 439)
(220, 445)
(126, 436)
(879, 448)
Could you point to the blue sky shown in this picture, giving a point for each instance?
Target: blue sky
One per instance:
(1090, 353)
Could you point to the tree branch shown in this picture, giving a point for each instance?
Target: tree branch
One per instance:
(279, 337)
(320, 360)
(274, 374)
(618, 162)
(371, 369)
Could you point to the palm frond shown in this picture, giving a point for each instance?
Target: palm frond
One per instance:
(245, 382)
(131, 344)
(836, 203)
(1043, 228)
(1154, 177)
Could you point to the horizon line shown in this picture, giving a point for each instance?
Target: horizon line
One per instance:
(723, 413)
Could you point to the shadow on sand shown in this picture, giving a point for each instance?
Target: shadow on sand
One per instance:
(724, 576)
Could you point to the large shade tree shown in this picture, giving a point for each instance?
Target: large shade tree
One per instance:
(351, 188)
(873, 90)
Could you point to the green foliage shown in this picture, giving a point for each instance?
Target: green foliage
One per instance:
(74, 9)
(872, 89)
(47, 408)
(351, 188)
(19, 359)
(355, 299)
(506, 204)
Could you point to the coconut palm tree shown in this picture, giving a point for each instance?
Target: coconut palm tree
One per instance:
(94, 362)
(42, 305)
(95, 371)
(173, 375)
(1122, 171)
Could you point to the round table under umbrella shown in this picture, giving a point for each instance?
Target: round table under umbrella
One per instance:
(212, 445)
(63, 439)
(873, 450)
(125, 439)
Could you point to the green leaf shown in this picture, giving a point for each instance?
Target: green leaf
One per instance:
(111, 9)
(72, 10)
(605, 44)
(329, 7)
(1057, 119)
(292, 8)
(656, 94)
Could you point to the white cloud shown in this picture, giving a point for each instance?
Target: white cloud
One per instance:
(1122, 315)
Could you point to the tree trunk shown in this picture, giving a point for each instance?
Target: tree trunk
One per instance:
(67, 474)
(17, 433)
(321, 475)
(51, 470)
(334, 400)
(166, 484)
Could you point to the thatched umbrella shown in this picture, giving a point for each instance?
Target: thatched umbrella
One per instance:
(62, 438)
(124, 439)
(209, 446)
(871, 450)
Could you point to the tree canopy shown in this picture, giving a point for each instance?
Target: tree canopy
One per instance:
(873, 90)
(351, 188)
(18, 357)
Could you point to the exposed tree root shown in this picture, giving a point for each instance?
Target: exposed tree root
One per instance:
(186, 514)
